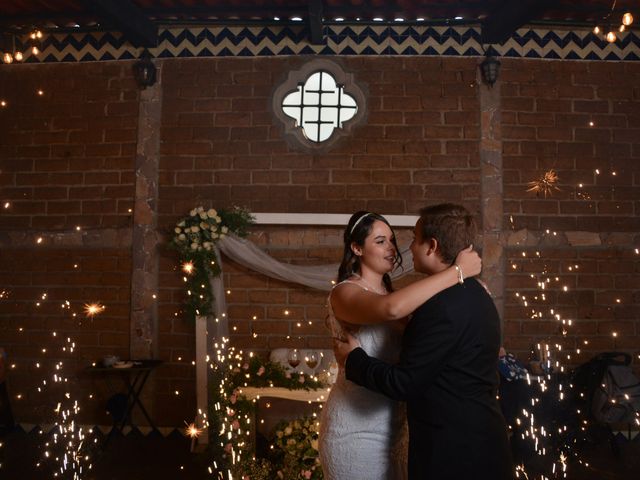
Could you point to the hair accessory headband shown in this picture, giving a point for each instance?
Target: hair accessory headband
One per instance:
(358, 221)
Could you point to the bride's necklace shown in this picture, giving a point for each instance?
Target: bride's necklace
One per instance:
(369, 286)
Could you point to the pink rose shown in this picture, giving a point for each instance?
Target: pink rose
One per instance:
(233, 399)
(260, 371)
(245, 366)
(235, 425)
(307, 473)
(288, 375)
(301, 378)
(228, 448)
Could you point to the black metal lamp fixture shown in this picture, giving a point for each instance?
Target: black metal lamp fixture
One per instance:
(490, 69)
(144, 71)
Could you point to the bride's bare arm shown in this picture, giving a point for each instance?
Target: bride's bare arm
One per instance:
(354, 305)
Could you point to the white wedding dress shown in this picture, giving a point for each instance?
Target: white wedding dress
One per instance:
(363, 435)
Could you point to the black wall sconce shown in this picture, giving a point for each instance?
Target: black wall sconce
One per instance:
(490, 69)
(144, 71)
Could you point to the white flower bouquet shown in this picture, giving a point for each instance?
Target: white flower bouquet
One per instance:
(195, 238)
(297, 441)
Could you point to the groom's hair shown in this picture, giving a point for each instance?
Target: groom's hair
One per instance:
(451, 225)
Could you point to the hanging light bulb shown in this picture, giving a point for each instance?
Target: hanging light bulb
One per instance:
(18, 56)
(35, 50)
(596, 29)
(38, 34)
(611, 36)
(7, 58)
(627, 19)
(621, 28)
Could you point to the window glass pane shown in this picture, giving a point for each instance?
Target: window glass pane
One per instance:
(313, 83)
(311, 114)
(319, 106)
(325, 132)
(294, 98)
(330, 115)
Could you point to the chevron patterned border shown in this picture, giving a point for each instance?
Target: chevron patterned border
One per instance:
(229, 41)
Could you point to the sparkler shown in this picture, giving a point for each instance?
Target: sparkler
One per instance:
(92, 309)
(188, 267)
(545, 184)
(540, 436)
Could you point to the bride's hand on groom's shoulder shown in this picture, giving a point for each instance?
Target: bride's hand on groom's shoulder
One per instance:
(343, 346)
(469, 261)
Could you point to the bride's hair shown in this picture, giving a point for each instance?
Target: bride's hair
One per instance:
(356, 231)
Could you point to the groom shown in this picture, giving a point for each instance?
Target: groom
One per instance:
(447, 371)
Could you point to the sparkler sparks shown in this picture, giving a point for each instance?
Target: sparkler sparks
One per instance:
(92, 309)
(188, 268)
(545, 184)
(192, 431)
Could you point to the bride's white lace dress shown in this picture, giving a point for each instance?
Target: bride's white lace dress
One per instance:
(363, 435)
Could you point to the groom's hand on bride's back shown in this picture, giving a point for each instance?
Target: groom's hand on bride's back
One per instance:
(343, 346)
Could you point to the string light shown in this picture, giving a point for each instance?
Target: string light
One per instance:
(625, 21)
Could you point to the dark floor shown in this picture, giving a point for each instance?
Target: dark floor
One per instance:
(136, 457)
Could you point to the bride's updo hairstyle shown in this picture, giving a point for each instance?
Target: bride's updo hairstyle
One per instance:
(357, 230)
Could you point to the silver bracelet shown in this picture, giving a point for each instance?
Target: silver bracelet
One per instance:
(460, 275)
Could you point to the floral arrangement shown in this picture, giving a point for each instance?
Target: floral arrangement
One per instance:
(297, 441)
(195, 238)
(233, 412)
(293, 454)
(256, 372)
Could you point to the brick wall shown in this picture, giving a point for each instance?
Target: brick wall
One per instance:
(581, 120)
(67, 160)
(221, 143)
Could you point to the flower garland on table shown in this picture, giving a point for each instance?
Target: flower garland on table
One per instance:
(195, 238)
(233, 411)
(255, 372)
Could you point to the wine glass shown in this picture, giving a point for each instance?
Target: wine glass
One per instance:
(293, 358)
(311, 359)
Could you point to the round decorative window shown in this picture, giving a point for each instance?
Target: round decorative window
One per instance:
(318, 104)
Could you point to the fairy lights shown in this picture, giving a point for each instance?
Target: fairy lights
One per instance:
(610, 36)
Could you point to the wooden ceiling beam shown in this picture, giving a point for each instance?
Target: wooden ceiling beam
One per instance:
(510, 16)
(316, 11)
(127, 18)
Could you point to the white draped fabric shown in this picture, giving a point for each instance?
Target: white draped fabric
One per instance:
(247, 254)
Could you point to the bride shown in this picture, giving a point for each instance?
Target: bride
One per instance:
(363, 434)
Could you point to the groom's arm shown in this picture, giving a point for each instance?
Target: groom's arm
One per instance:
(426, 346)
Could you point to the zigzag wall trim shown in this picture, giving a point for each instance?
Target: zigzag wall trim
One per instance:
(224, 41)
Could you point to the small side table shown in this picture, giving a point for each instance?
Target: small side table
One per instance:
(134, 378)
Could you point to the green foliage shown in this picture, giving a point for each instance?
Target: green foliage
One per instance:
(294, 455)
(195, 238)
(231, 419)
(296, 447)
(255, 372)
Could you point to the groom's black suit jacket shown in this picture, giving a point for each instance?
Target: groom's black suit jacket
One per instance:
(448, 376)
